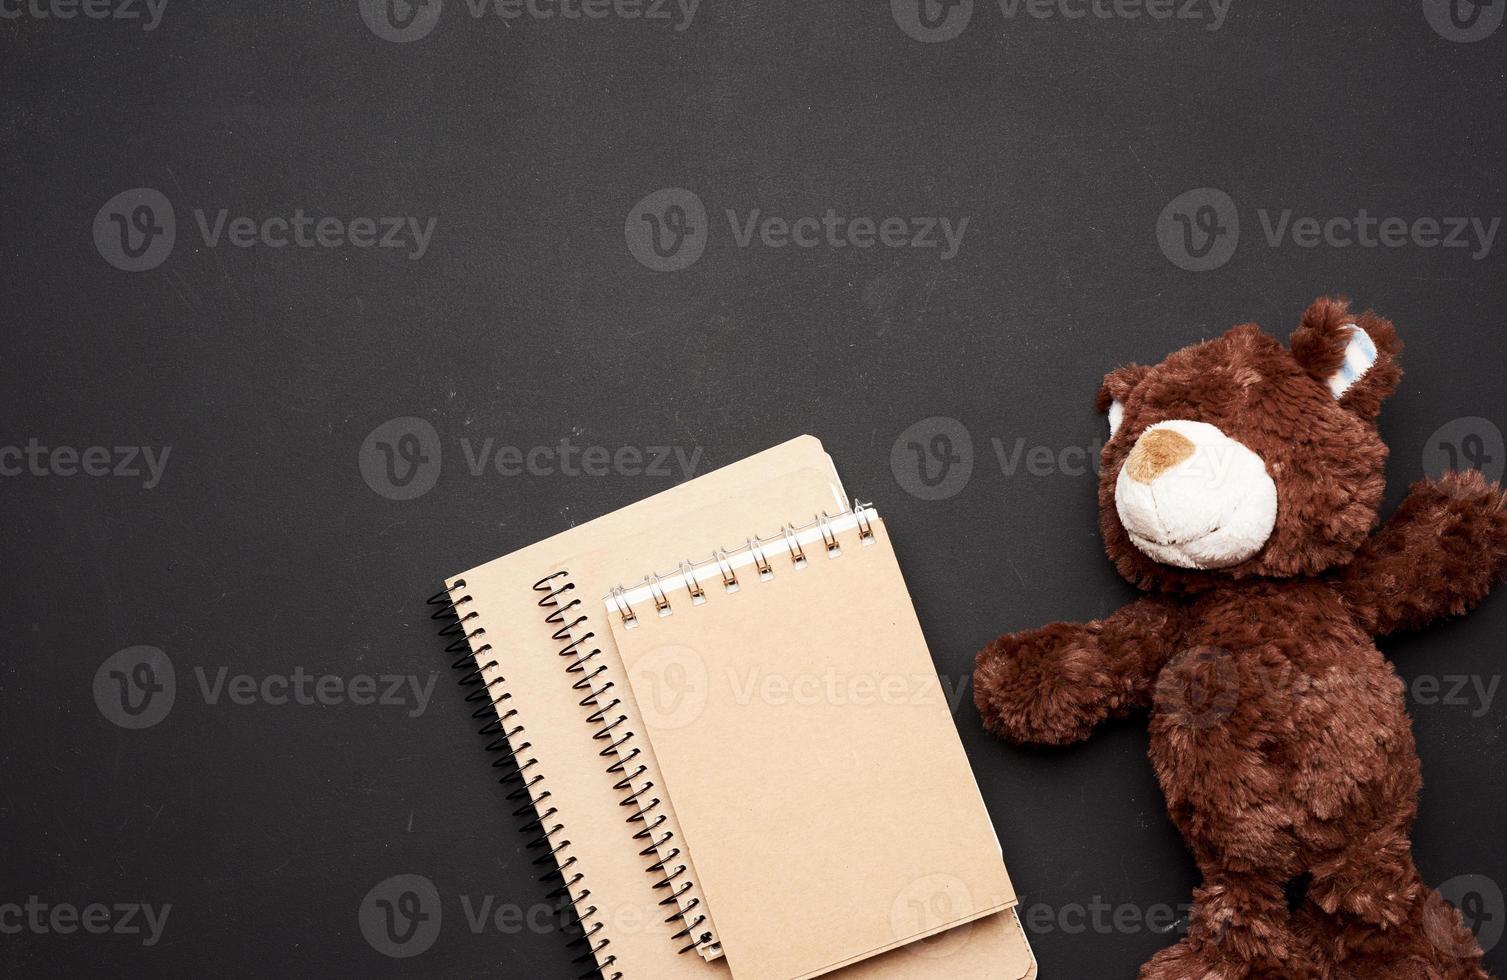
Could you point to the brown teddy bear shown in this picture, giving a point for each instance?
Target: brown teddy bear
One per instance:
(1239, 489)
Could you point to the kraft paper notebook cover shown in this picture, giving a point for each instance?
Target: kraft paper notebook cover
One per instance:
(810, 754)
(538, 715)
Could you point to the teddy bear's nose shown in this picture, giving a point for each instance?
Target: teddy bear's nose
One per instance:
(1156, 452)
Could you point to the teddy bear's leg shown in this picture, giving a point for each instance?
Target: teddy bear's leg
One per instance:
(1430, 943)
(1377, 919)
(1238, 929)
(1373, 882)
(1189, 960)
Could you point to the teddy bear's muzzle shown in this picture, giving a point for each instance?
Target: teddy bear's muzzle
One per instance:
(1191, 496)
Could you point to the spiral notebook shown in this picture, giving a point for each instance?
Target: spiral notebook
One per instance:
(739, 758)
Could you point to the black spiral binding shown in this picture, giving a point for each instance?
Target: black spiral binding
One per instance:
(620, 743)
(489, 696)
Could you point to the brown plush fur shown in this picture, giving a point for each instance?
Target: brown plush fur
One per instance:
(1278, 731)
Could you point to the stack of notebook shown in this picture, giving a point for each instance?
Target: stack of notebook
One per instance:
(733, 741)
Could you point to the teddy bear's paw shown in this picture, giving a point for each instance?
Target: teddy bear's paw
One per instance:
(1443, 941)
(1195, 959)
(1047, 686)
(1264, 943)
(1433, 944)
(1187, 961)
(1375, 883)
(1470, 485)
(1464, 504)
(1249, 936)
(1378, 904)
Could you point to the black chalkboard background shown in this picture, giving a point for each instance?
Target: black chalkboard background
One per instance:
(274, 544)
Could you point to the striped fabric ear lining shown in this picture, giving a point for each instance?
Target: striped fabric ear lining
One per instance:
(1360, 354)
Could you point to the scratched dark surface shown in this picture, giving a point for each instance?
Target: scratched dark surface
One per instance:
(265, 550)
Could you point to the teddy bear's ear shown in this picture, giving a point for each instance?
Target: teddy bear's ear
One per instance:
(1354, 357)
(1115, 392)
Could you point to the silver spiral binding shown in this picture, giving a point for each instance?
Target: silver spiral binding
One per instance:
(611, 728)
(507, 742)
(759, 556)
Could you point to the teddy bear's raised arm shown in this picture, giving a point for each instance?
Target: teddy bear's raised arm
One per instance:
(1437, 556)
(1053, 685)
